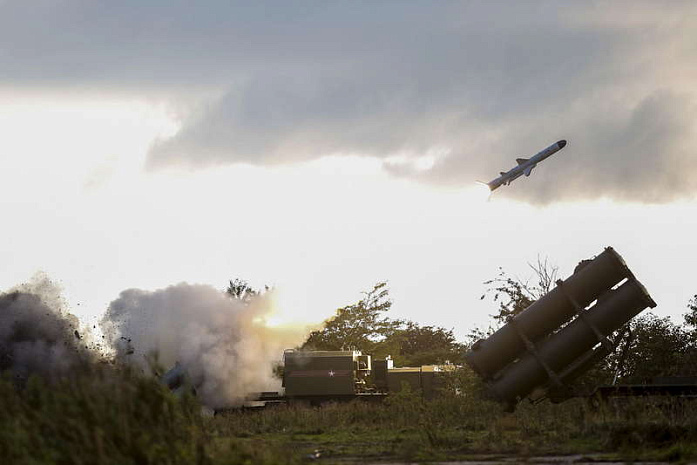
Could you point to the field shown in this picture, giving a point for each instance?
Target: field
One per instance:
(455, 429)
(113, 416)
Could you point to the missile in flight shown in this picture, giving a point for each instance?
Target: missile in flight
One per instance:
(525, 166)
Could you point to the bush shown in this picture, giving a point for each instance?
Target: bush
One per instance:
(104, 416)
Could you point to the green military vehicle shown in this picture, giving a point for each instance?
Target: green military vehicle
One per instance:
(325, 373)
(319, 376)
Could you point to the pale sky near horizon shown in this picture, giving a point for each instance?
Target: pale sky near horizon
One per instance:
(322, 147)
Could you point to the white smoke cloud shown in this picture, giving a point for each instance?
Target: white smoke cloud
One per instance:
(223, 343)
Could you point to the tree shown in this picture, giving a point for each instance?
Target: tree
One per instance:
(360, 326)
(691, 316)
(363, 326)
(515, 295)
(241, 290)
(425, 345)
(654, 347)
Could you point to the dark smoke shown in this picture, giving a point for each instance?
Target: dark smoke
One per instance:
(37, 337)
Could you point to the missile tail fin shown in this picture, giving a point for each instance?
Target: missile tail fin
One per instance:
(522, 160)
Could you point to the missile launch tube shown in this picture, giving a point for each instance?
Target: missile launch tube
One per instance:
(561, 349)
(549, 312)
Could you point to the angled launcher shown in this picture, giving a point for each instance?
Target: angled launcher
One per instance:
(538, 350)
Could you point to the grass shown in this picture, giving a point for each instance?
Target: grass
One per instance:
(112, 416)
(108, 415)
(407, 428)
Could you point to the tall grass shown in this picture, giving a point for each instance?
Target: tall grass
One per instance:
(110, 416)
(106, 415)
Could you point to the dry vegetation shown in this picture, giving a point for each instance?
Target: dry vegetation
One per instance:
(115, 416)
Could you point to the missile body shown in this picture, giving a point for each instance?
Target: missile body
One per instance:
(525, 166)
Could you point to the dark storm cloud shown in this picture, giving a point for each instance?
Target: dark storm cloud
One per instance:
(477, 83)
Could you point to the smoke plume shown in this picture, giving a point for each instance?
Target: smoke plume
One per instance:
(222, 342)
(37, 335)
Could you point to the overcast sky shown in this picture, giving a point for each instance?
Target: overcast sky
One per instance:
(323, 146)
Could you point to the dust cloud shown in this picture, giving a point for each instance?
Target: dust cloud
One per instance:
(37, 334)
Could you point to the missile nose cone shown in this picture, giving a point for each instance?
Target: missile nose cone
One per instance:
(561, 144)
